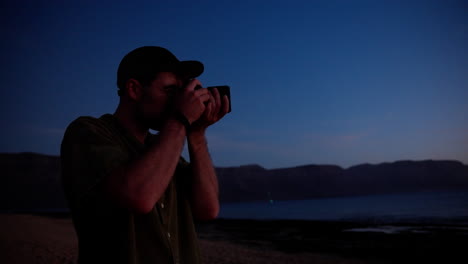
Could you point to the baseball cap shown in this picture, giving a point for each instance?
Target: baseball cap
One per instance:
(143, 63)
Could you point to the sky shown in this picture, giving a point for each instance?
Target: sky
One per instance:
(312, 82)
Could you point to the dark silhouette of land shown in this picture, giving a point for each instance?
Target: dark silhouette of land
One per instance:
(252, 182)
(31, 181)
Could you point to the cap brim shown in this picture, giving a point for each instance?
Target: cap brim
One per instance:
(190, 69)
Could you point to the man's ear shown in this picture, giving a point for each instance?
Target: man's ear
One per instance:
(134, 89)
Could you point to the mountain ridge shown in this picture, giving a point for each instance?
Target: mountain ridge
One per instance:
(34, 180)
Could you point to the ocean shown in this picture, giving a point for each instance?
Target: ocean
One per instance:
(423, 207)
(444, 208)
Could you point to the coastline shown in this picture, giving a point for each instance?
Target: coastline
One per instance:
(50, 238)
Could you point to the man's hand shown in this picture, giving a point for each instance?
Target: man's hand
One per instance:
(216, 109)
(191, 102)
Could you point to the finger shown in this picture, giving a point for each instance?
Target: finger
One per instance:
(209, 106)
(202, 92)
(225, 104)
(217, 100)
(214, 107)
(205, 97)
(192, 84)
(209, 110)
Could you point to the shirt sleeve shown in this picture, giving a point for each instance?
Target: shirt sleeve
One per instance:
(89, 153)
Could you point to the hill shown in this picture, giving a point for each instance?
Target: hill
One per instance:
(246, 183)
(32, 181)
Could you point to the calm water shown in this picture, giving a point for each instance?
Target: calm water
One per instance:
(430, 207)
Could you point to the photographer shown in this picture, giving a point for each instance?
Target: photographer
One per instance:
(131, 194)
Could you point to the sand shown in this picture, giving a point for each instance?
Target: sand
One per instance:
(40, 239)
(36, 239)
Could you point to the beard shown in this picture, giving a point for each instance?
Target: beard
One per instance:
(151, 119)
(153, 112)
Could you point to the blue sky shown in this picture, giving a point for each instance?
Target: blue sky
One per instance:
(312, 82)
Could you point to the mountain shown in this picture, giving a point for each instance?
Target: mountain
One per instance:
(32, 181)
(247, 183)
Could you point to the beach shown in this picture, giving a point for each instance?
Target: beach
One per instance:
(27, 238)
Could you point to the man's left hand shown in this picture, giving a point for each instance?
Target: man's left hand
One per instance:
(215, 110)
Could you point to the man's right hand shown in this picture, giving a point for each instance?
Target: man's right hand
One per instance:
(191, 102)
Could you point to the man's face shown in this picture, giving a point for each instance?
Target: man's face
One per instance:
(157, 99)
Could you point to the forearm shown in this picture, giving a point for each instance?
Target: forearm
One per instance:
(205, 191)
(141, 183)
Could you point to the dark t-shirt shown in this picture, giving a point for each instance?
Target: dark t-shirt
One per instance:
(108, 233)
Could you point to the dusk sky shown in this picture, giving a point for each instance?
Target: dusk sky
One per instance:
(312, 82)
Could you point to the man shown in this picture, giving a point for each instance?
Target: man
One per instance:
(132, 197)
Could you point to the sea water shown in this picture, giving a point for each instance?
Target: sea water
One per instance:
(427, 207)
